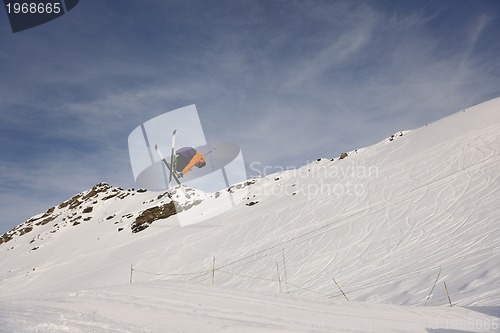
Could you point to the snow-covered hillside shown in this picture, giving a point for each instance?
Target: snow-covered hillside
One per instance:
(390, 224)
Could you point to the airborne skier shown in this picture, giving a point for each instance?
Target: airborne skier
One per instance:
(186, 158)
(181, 162)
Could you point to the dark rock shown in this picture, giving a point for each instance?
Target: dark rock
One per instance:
(147, 217)
(88, 210)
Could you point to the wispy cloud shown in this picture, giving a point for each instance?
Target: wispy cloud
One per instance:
(289, 81)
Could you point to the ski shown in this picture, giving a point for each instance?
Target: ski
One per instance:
(169, 167)
(171, 171)
(172, 156)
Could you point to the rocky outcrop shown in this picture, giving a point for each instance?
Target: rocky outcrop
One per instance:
(81, 208)
(395, 135)
(147, 217)
(27, 226)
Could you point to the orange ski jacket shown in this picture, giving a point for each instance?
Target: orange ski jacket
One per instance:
(198, 158)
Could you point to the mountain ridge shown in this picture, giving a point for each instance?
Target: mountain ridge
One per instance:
(384, 221)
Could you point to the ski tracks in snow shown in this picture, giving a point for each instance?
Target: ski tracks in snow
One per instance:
(178, 307)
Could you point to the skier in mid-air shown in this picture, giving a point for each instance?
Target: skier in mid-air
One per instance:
(186, 158)
(181, 162)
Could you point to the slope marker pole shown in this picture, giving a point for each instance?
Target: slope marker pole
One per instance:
(131, 271)
(284, 268)
(340, 289)
(279, 277)
(213, 271)
(447, 293)
(432, 289)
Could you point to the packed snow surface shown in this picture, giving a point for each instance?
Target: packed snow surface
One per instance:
(381, 240)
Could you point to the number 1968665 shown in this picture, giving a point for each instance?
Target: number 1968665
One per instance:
(33, 8)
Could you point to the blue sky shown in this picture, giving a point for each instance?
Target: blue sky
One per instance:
(289, 81)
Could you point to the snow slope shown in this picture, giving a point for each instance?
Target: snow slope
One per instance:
(177, 307)
(391, 223)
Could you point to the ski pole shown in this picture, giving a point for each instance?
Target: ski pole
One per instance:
(209, 151)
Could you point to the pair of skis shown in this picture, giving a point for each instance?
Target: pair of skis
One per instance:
(171, 164)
